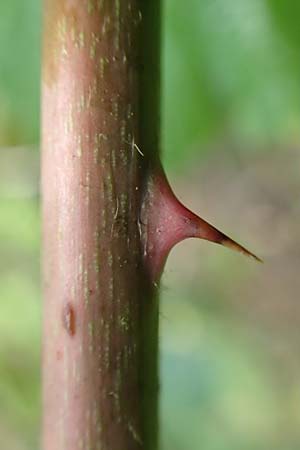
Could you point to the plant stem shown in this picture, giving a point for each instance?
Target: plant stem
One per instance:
(100, 126)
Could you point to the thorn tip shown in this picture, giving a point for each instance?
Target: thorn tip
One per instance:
(210, 233)
(229, 243)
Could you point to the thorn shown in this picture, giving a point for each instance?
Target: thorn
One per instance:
(210, 233)
(168, 222)
(229, 243)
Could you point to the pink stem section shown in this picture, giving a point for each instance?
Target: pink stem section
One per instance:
(100, 330)
(165, 221)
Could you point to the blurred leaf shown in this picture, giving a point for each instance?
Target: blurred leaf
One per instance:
(19, 71)
(227, 72)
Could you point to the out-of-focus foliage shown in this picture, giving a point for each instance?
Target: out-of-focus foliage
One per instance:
(230, 70)
(19, 326)
(231, 83)
(19, 71)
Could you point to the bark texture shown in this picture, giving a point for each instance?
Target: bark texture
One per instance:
(99, 129)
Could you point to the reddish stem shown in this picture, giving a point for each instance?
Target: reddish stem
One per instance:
(100, 95)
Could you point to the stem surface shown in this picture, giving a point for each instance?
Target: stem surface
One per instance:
(99, 108)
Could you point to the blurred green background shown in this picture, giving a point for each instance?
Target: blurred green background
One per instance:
(230, 329)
